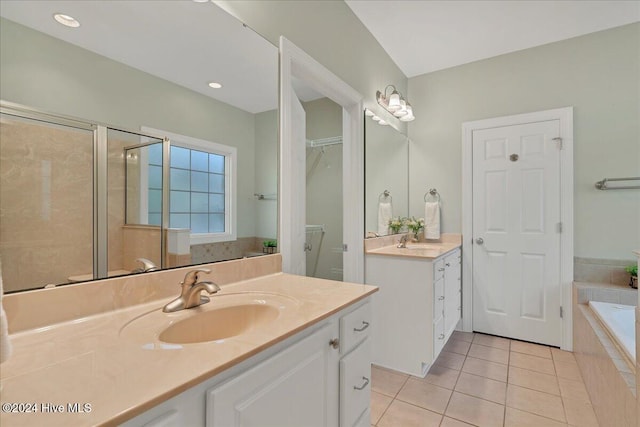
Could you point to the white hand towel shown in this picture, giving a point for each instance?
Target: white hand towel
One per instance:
(432, 220)
(385, 213)
(5, 344)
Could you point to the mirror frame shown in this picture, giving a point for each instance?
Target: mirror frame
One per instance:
(295, 63)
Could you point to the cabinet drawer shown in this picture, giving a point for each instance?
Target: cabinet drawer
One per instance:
(354, 327)
(438, 299)
(438, 269)
(438, 337)
(452, 263)
(355, 384)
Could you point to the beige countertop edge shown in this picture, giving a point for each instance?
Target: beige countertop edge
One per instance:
(46, 350)
(394, 251)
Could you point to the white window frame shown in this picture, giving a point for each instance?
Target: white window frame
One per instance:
(230, 182)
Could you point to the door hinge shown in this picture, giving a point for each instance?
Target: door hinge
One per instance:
(559, 227)
(345, 247)
(559, 141)
(561, 312)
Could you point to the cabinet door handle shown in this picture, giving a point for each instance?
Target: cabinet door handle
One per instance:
(335, 343)
(441, 269)
(366, 383)
(447, 265)
(440, 298)
(365, 325)
(441, 336)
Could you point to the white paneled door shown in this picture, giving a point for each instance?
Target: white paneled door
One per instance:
(516, 232)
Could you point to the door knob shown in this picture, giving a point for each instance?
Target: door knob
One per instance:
(479, 240)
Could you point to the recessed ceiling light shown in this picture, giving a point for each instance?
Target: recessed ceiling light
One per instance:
(200, 1)
(67, 20)
(215, 85)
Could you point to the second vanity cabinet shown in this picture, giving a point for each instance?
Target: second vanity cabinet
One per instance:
(319, 377)
(416, 309)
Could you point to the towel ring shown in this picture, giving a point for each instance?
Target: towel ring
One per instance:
(433, 193)
(385, 194)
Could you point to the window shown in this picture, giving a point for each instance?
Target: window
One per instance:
(201, 188)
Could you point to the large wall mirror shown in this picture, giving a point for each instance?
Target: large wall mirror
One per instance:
(110, 131)
(386, 175)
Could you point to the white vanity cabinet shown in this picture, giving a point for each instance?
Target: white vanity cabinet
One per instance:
(298, 387)
(319, 377)
(416, 309)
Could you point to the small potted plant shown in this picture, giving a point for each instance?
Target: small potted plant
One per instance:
(395, 224)
(415, 225)
(269, 246)
(633, 272)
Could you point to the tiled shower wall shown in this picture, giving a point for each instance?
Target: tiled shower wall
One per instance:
(46, 192)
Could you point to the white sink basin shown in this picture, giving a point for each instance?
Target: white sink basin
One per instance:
(219, 323)
(225, 316)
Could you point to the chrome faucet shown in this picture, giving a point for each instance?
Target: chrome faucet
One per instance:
(147, 266)
(403, 241)
(190, 295)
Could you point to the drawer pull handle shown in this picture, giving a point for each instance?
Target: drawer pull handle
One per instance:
(441, 336)
(440, 298)
(448, 265)
(366, 383)
(365, 325)
(441, 269)
(335, 343)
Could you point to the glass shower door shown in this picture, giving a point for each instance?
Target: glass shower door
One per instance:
(46, 195)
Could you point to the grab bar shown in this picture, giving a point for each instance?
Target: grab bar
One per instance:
(602, 185)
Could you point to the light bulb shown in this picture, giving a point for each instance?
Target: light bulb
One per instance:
(409, 116)
(402, 110)
(394, 101)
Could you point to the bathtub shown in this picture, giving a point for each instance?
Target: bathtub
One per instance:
(620, 322)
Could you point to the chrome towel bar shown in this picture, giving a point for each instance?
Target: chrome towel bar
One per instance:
(603, 185)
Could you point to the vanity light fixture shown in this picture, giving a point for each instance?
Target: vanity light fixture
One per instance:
(215, 85)
(66, 20)
(395, 104)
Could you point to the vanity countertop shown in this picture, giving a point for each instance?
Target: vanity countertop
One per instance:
(87, 360)
(388, 246)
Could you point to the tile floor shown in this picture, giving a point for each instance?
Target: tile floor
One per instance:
(481, 380)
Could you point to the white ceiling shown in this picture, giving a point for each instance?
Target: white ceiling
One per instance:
(425, 36)
(192, 43)
(182, 41)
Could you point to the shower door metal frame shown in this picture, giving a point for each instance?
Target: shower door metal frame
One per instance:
(100, 184)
